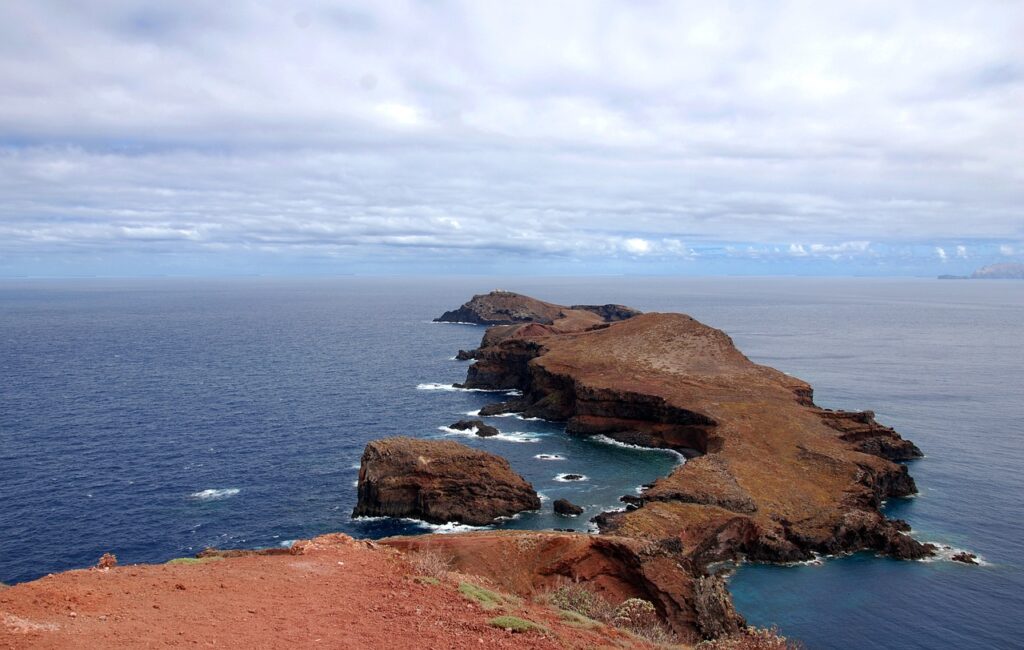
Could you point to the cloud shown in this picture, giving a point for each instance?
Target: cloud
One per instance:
(578, 131)
(941, 252)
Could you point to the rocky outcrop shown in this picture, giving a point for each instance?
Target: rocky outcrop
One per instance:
(529, 563)
(609, 313)
(567, 508)
(509, 308)
(439, 481)
(478, 427)
(771, 477)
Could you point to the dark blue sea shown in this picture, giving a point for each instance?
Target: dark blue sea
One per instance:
(153, 418)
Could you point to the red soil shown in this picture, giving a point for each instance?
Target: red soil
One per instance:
(333, 592)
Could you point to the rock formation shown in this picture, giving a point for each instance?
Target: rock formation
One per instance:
(439, 481)
(479, 427)
(771, 477)
(508, 308)
(567, 508)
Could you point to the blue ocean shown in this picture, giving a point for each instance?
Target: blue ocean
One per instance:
(153, 418)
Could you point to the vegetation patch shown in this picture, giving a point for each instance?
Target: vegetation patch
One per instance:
(575, 597)
(579, 620)
(430, 563)
(426, 580)
(515, 624)
(486, 598)
(194, 560)
(639, 617)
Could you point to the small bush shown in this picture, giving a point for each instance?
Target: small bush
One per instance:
(194, 560)
(427, 580)
(752, 638)
(486, 598)
(430, 563)
(641, 618)
(515, 624)
(575, 597)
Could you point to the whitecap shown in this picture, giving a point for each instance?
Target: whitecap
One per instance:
(945, 553)
(549, 457)
(475, 413)
(513, 436)
(444, 529)
(214, 494)
(453, 388)
(288, 543)
(450, 527)
(562, 477)
(610, 441)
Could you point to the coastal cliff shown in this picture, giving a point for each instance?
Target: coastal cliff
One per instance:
(771, 476)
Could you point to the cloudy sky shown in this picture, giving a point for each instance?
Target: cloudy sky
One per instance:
(189, 138)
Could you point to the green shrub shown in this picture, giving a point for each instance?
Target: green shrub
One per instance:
(515, 624)
(579, 620)
(486, 598)
(194, 560)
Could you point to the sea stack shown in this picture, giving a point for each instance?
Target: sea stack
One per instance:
(439, 481)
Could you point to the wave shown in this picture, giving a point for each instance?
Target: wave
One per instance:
(562, 477)
(453, 388)
(450, 527)
(549, 457)
(610, 441)
(215, 494)
(450, 322)
(945, 553)
(512, 436)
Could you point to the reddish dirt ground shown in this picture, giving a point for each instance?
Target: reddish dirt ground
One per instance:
(335, 593)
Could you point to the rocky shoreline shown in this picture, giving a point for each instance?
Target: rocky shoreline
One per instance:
(771, 477)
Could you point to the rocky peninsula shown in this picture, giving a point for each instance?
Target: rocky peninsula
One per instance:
(771, 476)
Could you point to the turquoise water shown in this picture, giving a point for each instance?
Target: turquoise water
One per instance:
(153, 418)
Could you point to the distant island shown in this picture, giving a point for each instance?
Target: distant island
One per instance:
(1003, 271)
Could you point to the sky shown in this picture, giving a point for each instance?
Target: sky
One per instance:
(540, 138)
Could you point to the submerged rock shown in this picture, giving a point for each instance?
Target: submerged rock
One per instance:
(439, 481)
(567, 508)
(479, 427)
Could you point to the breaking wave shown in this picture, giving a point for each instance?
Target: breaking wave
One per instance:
(213, 495)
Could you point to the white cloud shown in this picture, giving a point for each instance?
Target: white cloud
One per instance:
(961, 252)
(941, 252)
(637, 246)
(560, 129)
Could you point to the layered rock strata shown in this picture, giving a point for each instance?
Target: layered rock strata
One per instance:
(439, 481)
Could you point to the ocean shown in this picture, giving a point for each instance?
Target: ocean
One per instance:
(152, 418)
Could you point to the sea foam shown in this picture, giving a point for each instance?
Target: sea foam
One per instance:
(214, 494)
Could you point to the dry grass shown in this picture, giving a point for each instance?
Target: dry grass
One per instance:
(430, 564)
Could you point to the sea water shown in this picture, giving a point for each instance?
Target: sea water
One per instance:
(153, 418)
